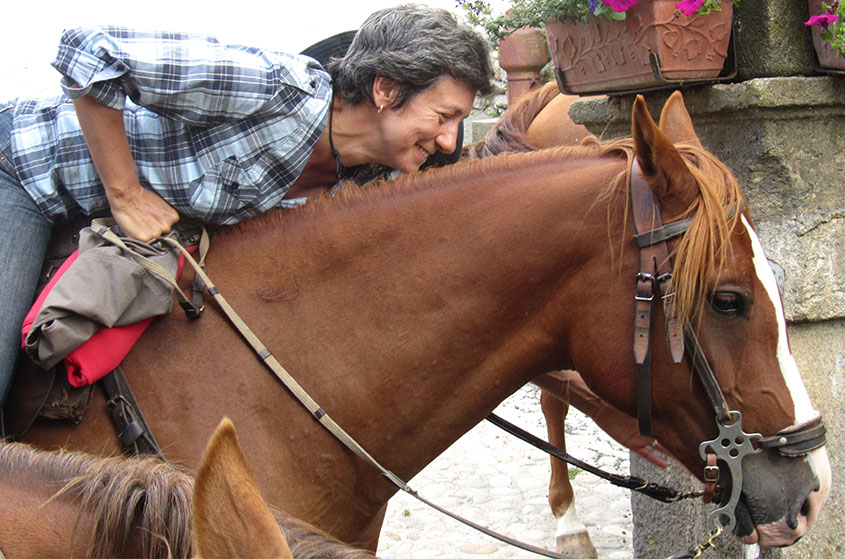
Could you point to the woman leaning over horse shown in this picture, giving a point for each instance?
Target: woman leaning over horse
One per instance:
(218, 133)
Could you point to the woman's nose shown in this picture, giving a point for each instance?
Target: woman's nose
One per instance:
(447, 137)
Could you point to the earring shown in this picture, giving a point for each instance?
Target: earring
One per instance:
(380, 109)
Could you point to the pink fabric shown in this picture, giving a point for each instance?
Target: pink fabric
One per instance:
(105, 350)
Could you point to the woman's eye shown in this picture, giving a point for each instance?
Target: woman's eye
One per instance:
(727, 303)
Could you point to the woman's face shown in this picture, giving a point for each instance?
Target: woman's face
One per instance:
(425, 124)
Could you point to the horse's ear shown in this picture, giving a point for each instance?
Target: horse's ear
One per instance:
(676, 123)
(662, 164)
(230, 517)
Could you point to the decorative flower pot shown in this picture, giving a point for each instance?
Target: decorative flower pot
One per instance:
(828, 58)
(655, 46)
(522, 54)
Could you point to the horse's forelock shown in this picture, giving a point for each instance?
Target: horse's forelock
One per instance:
(715, 214)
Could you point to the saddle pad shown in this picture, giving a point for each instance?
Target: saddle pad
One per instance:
(103, 351)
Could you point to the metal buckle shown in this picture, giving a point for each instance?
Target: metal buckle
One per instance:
(646, 282)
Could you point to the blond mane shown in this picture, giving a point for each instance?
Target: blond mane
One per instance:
(715, 213)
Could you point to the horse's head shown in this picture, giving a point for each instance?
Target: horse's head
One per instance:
(727, 300)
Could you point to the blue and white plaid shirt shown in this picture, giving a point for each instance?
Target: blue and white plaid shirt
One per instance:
(219, 131)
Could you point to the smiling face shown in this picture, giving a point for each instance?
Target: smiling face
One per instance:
(425, 124)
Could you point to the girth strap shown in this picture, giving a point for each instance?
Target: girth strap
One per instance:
(133, 431)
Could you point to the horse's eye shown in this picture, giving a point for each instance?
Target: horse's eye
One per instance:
(727, 303)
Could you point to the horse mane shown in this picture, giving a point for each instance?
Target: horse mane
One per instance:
(125, 496)
(714, 213)
(509, 133)
(696, 255)
(147, 498)
(348, 195)
(308, 542)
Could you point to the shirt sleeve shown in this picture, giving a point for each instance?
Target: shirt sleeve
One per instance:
(192, 78)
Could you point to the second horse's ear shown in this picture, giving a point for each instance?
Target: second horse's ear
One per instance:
(676, 123)
(230, 517)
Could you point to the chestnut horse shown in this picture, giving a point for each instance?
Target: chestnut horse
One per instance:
(409, 311)
(65, 504)
(540, 119)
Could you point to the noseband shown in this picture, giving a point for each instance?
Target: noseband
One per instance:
(655, 276)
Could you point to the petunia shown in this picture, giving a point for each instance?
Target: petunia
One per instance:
(593, 5)
(689, 7)
(619, 5)
(823, 20)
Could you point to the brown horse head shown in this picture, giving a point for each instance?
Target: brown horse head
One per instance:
(727, 294)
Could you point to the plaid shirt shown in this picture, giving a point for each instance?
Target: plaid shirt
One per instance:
(219, 131)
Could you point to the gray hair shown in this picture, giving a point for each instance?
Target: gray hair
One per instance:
(415, 46)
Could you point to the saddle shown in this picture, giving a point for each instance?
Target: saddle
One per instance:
(39, 394)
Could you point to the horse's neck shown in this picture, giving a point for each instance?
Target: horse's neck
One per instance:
(434, 303)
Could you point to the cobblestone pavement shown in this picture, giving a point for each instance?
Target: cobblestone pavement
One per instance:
(496, 480)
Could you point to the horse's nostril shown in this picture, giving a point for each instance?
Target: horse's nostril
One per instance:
(805, 508)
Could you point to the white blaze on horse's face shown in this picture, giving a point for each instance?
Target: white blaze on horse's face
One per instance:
(803, 408)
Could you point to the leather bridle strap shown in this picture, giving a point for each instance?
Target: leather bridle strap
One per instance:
(634, 483)
(655, 276)
(706, 376)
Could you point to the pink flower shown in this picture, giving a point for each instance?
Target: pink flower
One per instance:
(689, 7)
(620, 5)
(823, 20)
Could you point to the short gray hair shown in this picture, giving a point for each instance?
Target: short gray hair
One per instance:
(415, 46)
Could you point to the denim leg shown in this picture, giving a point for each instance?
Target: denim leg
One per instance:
(24, 235)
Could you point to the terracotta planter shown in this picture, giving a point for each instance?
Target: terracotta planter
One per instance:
(600, 55)
(522, 54)
(827, 57)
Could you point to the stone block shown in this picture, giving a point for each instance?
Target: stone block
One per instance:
(481, 126)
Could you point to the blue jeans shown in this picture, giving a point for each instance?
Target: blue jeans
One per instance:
(24, 235)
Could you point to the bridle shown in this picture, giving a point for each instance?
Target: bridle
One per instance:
(732, 443)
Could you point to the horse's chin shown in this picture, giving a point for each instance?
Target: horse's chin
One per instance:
(773, 534)
(745, 530)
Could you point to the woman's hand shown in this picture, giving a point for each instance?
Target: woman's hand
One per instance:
(141, 214)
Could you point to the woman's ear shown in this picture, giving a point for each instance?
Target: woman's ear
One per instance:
(385, 92)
